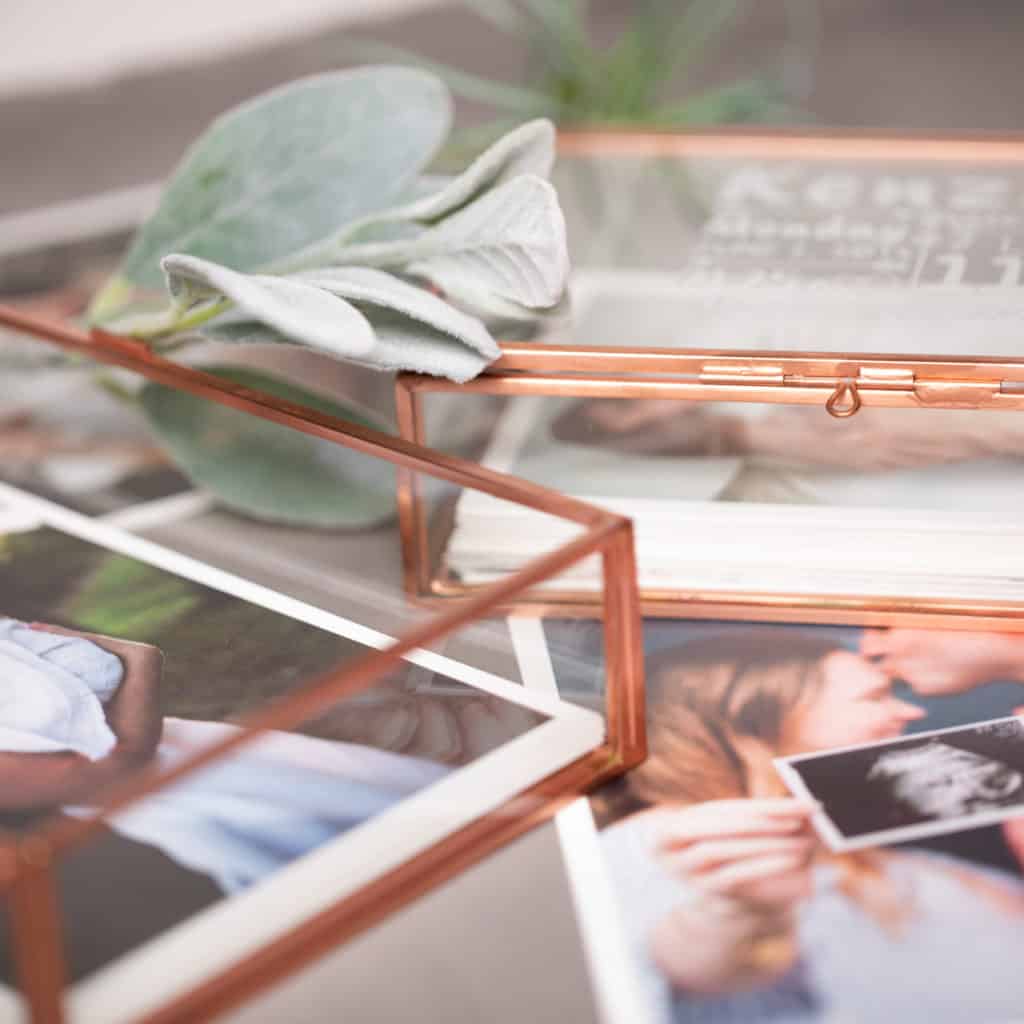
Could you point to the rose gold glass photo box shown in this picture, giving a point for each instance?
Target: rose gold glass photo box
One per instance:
(30, 857)
(794, 360)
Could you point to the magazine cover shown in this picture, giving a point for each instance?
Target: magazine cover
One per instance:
(829, 826)
(120, 655)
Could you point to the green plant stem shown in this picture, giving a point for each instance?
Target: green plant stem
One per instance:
(172, 320)
(113, 387)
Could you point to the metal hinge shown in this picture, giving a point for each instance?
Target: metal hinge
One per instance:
(958, 394)
(849, 382)
(742, 373)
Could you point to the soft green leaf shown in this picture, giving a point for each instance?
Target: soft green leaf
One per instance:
(467, 143)
(405, 344)
(426, 185)
(414, 329)
(368, 287)
(298, 309)
(506, 317)
(402, 344)
(411, 328)
(277, 172)
(527, 149)
(511, 241)
(266, 470)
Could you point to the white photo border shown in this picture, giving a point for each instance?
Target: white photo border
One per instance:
(212, 941)
(615, 986)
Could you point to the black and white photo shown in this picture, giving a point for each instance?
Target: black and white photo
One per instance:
(931, 784)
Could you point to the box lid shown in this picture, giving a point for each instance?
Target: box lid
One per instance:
(882, 269)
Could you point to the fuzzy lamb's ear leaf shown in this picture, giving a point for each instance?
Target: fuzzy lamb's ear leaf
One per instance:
(528, 149)
(509, 242)
(414, 329)
(279, 171)
(266, 470)
(376, 288)
(301, 311)
(404, 344)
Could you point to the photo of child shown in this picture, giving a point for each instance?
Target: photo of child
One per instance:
(109, 664)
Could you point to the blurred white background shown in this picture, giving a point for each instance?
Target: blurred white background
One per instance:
(67, 43)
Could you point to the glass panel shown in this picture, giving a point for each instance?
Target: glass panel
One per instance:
(769, 497)
(168, 655)
(896, 255)
(131, 615)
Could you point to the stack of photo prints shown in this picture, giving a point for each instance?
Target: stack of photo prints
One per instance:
(829, 825)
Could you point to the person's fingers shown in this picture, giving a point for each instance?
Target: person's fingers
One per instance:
(715, 853)
(725, 818)
(780, 806)
(874, 642)
(49, 627)
(1014, 833)
(632, 414)
(727, 879)
(744, 816)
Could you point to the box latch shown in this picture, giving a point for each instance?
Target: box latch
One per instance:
(850, 383)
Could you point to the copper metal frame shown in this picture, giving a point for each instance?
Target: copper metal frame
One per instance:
(894, 380)
(26, 862)
(843, 383)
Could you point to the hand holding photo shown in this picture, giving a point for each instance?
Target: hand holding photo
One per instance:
(929, 784)
(723, 903)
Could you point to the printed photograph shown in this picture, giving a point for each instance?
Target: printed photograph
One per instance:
(732, 907)
(111, 664)
(892, 792)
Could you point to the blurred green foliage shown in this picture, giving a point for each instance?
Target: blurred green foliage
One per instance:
(129, 599)
(645, 76)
